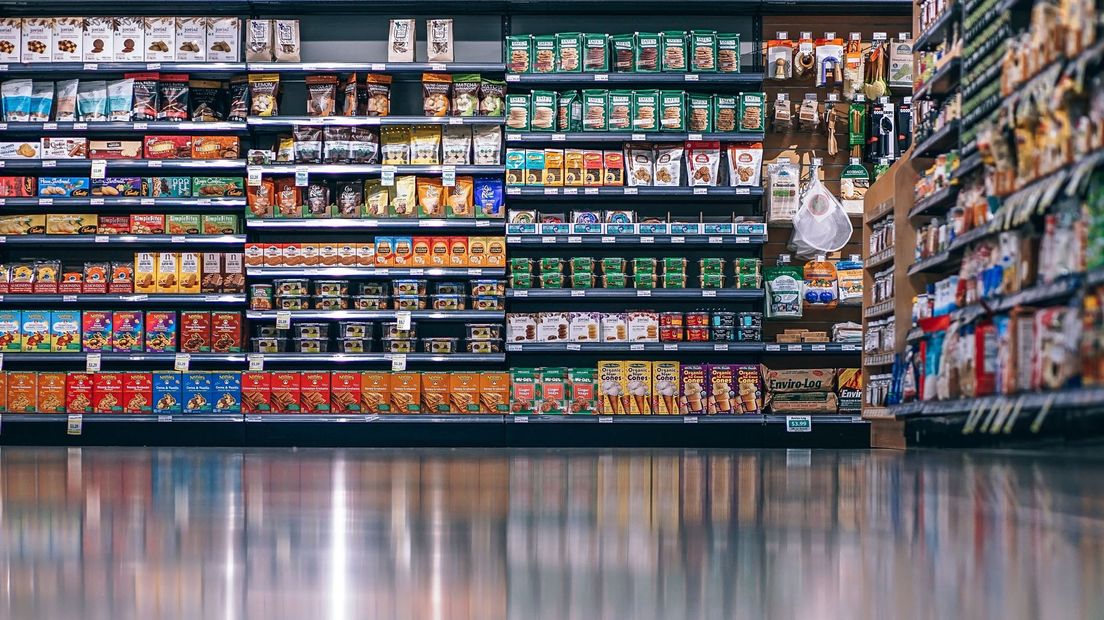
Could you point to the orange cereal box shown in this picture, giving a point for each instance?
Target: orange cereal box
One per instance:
(494, 392)
(51, 392)
(405, 392)
(23, 392)
(464, 392)
(435, 392)
(375, 391)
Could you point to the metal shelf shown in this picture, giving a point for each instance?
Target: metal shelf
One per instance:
(417, 315)
(210, 166)
(696, 347)
(968, 165)
(880, 309)
(346, 223)
(341, 359)
(880, 211)
(205, 205)
(939, 142)
(939, 30)
(943, 82)
(160, 127)
(624, 136)
(137, 358)
(131, 240)
(376, 67)
(375, 272)
(930, 263)
(630, 293)
(936, 203)
(373, 169)
(637, 79)
(279, 123)
(123, 417)
(70, 68)
(745, 194)
(86, 299)
(590, 241)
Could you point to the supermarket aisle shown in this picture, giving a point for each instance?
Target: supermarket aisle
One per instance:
(188, 533)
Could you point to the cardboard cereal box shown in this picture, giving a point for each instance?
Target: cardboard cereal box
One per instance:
(78, 392)
(665, 386)
(226, 332)
(612, 388)
(138, 392)
(51, 392)
(11, 330)
(524, 390)
(96, 331)
(160, 332)
(36, 330)
(435, 392)
(195, 332)
(639, 384)
(375, 392)
(314, 391)
(197, 393)
(695, 389)
(345, 392)
(464, 392)
(256, 392)
(286, 396)
(405, 392)
(65, 330)
(168, 393)
(127, 333)
(107, 392)
(226, 391)
(494, 392)
(23, 392)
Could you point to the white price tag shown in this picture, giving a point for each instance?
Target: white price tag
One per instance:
(715, 240)
(774, 347)
(647, 240)
(69, 299)
(417, 272)
(551, 191)
(591, 191)
(283, 319)
(601, 77)
(559, 137)
(256, 362)
(475, 271)
(178, 239)
(513, 77)
(578, 292)
(701, 191)
(49, 163)
(694, 136)
(80, 126)
(387, 176)
(636, 347)
(92, 362)
(402, 319)
(690, 419)
(605, 419)
(252, 418)
(793, 347)
(574, 239)
(643, 292)
(720, 347)
(153, 66)
(782, 34)
(742, 240)
(448, 176)
(670, 346)
(608, 239)
(99, 168)
(520, 419)
(639, 137)
(141, 126)
(164, 418)
(548, 240)
(398, 362)
(690, 77)
(678, 239)
(49, 126)
(155, 163)
(379, 66)
(855, 36)
(574, 347)
(571, 191)
(521, 293)
(1, 361)
(96, 202)
(183, 362)
(253, 175)
(45, 202)
(147, 202)
(75, 425)
(301, 177)
(438, 66)
(630, 191)
(513, 191)
(708, 292)
(880, 36)
(819, 347)
(455, 120)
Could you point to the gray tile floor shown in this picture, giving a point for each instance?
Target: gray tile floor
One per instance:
(580, 534)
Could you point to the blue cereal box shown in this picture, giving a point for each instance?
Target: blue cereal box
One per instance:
(65, 330)
(36, 330)
(11, 330)
(197, 392)
(226, 390)
(167, 394)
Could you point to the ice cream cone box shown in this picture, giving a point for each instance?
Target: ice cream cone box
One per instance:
(849, 389)
(168, 393)
(406, 392)
(612, 388)
(639, 376)
(51, 392)
(553, 390)
(464, 392)
(695, 389)
(226, 391)
(345, 392)
(138, 392)
(582, 390)
(375, 392)
(107, 392)
(524, 390)
(665, 388)
(23, 393)
(196, 389)
(78, 392)
(285, 392)
(256, 392)
(494, 392)
(721, 379)
(435, 392)
(314, 391)
(749, 389)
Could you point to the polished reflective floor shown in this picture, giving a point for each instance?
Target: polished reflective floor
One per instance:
(485, 534)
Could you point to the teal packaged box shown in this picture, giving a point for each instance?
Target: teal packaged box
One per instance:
(534, 167)
(167, 187)
(36, 330)
(515, 167)
(11, 330)
(197, 393)
(65, 331)
(226, 388)
(167, 393)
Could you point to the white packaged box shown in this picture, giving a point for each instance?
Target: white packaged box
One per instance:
(64, 148)
(130, 39)
(160, 39)
(552, 327)
(614, 327)
(38, 39)
(223, 39)
(521, 328)
(584, 326)
(99, 39)
(643, 326)
(68, 39)
(11, 38)
(191, 39)
(20, 150)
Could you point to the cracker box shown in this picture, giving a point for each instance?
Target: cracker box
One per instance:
(115, 149)
(197, 393)
(191, 39)
(721, 379)
(138, 392)
(145, 272)
(612, 388)
(226, 332)
(20, 150)
(63, 187)
(147, 223)
(219, 224)
(113, 225)
(168, 267)
(11, 39)
(51, 392)
(65, 330)
(435, 393)
(695, 389)
(639, 386)
(11, 330)
(463, 392)
(189, 273)
(553, 390)
(168, 396)
(23, 392)
(215, 187)
(107, 392)
(345, 392)
(849, 390)
(405, 392)
(78, 392)
(117, 186)
(63, 148)
(195, 332)
(99, 39)
(130, 39)
(524, 390)
(160, 332)
(167, 187)
(314, 391)
(71, 224)
(494, 392)
(375, 392)
(665, 388)
(36, 331)
(160, 39)
(226, 387)
(182, 224)
(215, 147)
(96, 327)
(38, 39)
(256, 392)
(285, 392)
(167, 147)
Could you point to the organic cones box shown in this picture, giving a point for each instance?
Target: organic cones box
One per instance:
(695, 390)
(665, 387)
(612, 388)
(749, 389)
(639, 383)
(721, 381)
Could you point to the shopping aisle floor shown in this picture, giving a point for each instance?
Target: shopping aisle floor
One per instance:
(483, 534)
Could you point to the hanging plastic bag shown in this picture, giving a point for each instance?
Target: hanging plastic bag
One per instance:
(820, 226)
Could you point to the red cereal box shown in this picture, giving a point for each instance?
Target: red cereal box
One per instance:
(255, 254)
(138, 392)
(195, 332)
(314, 391)
(18, 187)
(345, 392)
(168, 147)
(78, 392)
(107, 392)
(273, 255)
(256, 392)
(285, 392)
(226, 332)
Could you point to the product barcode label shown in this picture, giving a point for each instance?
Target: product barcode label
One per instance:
(448, 175)
(99, 168)
(559, 137)
(690, 419)
(720, 347)
(49, 163)
(678, 239)
(644, 292)
(164, 418)
(253, 176)
(574, 347)
(670, 346)
(709, 292)
(636, 347)
(574, 239)
(605, 419)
